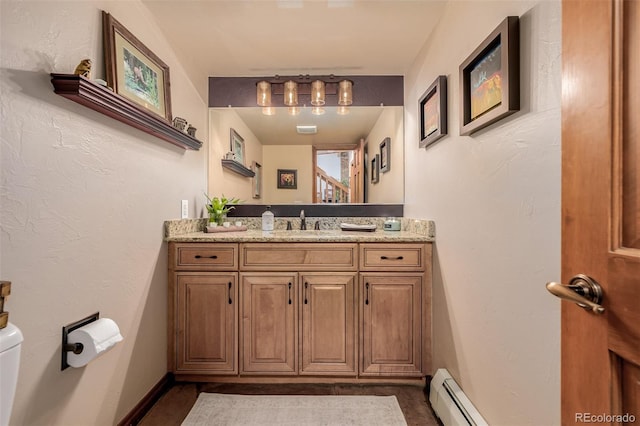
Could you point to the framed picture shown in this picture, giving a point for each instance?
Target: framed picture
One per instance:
(385, 155)
(375, 169)
(237, 146)
(287, 179)
(257, 179)
(134, 71)
(433, 112)
(490, 79)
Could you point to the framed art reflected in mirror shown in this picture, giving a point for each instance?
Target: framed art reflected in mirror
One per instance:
(375, 169)
(257, 180)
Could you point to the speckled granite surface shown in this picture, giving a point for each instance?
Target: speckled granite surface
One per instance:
(192, 230)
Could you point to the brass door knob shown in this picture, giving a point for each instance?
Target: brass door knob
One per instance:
(583, 290)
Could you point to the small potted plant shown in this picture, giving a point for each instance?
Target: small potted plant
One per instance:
(218, 207)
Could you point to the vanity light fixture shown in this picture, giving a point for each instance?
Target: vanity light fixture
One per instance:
(345, 93)
(294, 110)
(317, 93)
(317, 110)
(291, 93)
(313, 90)
(268, 110)
(263, 93)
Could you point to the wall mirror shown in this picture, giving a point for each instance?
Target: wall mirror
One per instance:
(331, 153)
(325, 158)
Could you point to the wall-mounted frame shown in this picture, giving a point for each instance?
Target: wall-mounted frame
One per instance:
(257, 179)
(433, 112)
(288, 178)
(490, 79)
(385, 155)
(375, 169)
(134, 71)
(236, 145)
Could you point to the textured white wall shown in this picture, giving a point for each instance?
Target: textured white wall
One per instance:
(390, 187)
(82, 202)
(495, 199)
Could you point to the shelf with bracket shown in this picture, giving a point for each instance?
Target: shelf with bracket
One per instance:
(236, 167)
(103, 100)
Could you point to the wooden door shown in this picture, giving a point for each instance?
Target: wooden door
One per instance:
(269, 323)
(357, 176)
(601, 208)
(328, 335)
(207, 332)
(390, 315)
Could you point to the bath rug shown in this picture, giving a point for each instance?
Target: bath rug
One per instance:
(299, 410)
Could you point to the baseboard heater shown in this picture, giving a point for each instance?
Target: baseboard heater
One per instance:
(450, 404)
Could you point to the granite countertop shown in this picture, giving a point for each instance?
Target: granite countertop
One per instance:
(310, 236)
(192, 230)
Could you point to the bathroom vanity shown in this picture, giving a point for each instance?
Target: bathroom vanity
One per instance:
(291, 306)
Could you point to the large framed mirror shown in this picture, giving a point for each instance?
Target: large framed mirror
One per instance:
(330, 153)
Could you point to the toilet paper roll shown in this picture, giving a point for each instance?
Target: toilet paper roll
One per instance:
(96, 338)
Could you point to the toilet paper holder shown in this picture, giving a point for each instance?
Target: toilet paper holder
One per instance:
(76, 348)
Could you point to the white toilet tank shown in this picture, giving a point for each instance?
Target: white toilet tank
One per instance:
(10, 342)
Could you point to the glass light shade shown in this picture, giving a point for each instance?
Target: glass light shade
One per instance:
(317, 92)
(345, 92)
(263, 93)
(294, 110)
(290, 93)
(343, 110)
(268, 110)
(317, 110)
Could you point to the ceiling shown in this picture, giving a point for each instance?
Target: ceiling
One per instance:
(332, 129)
(239, 38)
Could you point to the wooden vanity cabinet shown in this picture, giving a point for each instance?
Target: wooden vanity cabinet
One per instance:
(269, 323)
(390, 321)
(334, 310)
(203, 309)
(395, 309)
(328, 324)
(297, 317)
(298, 323)
(206, 333)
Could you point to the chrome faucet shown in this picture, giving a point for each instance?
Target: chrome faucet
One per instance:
(303, 224)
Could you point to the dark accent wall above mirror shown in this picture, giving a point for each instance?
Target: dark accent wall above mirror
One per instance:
(385, 90)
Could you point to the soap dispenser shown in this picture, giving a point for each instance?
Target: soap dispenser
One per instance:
(267, 220)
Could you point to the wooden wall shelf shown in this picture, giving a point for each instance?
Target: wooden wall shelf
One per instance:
(105, 101)
(236, 167)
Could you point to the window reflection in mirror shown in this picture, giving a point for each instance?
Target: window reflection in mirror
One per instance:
(335, 180)
(273, 142)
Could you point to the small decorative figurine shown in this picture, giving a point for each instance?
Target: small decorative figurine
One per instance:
(191, 131)
(84, 68)
(179, 123)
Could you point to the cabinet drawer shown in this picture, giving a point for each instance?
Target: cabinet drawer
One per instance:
(205, 257)
(298, 257)
(392, 257)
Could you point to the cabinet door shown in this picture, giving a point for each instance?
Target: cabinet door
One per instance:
(390, 306)
(269, 323)
(207, 332)
(328, 324)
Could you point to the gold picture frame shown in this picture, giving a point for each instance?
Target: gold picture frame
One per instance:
(134, 71)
